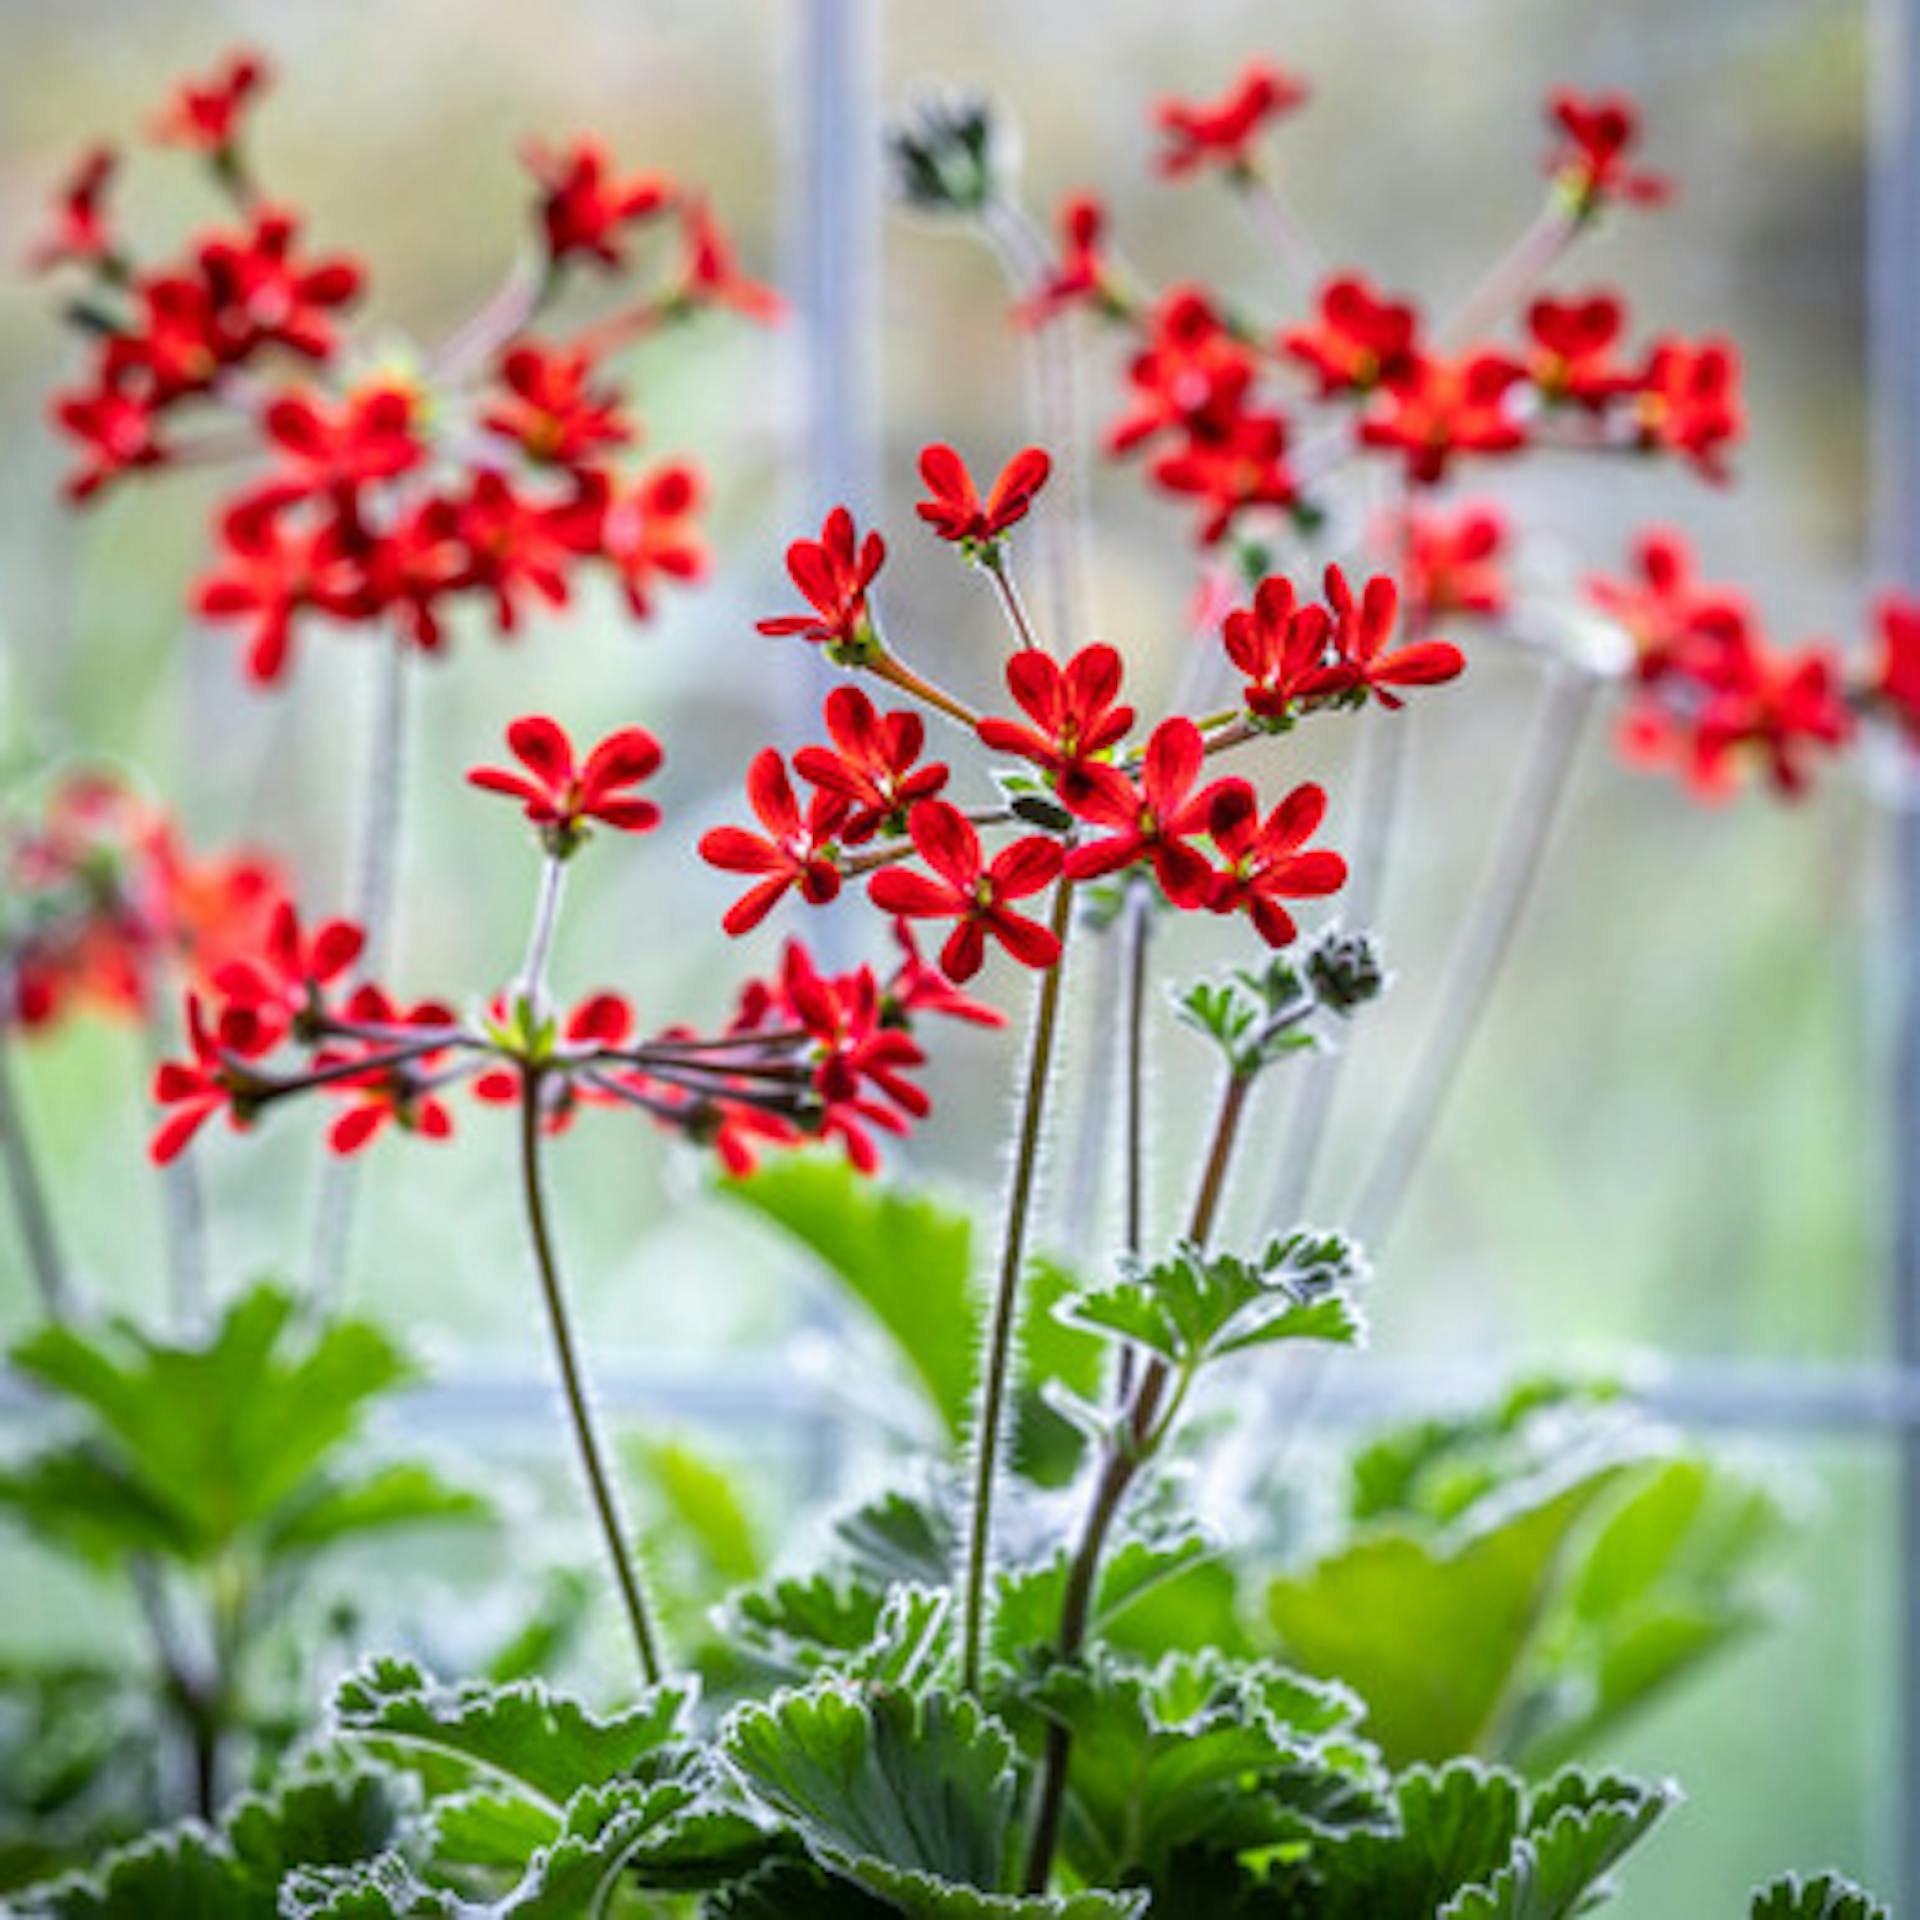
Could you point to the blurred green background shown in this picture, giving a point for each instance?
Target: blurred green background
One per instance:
(1668, 1142)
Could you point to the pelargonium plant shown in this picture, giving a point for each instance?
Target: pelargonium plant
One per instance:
(1003, 1692)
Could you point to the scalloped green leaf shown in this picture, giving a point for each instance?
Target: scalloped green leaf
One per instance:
(1826, 1896)
(1196, 1306)
(1204, 1752)
(1577, 1832)
(800, 1625)
(519, 1735)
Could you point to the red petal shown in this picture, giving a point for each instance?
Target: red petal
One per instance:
(895, 890)
(621, 760)
(543, 748)
(1027, 940)
(1293, 821)
(1025, 867)
(946, 842)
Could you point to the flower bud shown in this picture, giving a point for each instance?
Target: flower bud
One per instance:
(1345, 970)
(948, 153)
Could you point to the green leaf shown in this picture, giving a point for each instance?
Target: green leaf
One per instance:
(898, 1538)
(1202, 1751)
(187, 1873)
(1825, 1897)
(703, 1505)
(1457, 1829)
(1253, 1018)
(519, 1735)
(796, 1890)
(798, 1626)
(1197, 1306)
(183, 1448)
(1577, 1831)
(906, 1257)
(1028, 1600)
(1668, 1573)
(400, 1495)
(1374, 1613)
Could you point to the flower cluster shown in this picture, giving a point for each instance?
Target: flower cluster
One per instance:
(387, 490)
(1243, 421)
(1093, 794)
(806, 1055)
(103, 904)
(1710, 695)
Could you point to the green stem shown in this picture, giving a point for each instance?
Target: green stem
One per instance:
(987, 1438)
(573, 1383)
(999, 570)
(33, 1212)
(1142, 1432)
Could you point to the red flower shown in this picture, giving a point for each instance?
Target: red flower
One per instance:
(262, 293)
(1221, 133)
(1154, 820)
(1266, 863)
(833, 573)
(1230, 472)
(80, 234)
(551, 409)
(514, 544)
(1281, 647)
(560, 795)
(956, 511)
(387, 1095)
(1359, 339)
(270, 572)
(205, 115)
(973, 894)
(267, 994)
(1444, 408)
(1076, 715)
(1574, 342)
(916, 987)
(1362, 629)
(860, 1062)
(1081, 273)
(873, 767)
(583, 207)
(117, 434)
(411, 567)
(1677, 624)
(712, 276)
(1454, 563)
(1687, 401)
(372, 434)
(1896, 673)
(649, 532)
(1192, 372)
(194, 1090)
(1589, 164)
(795, 851)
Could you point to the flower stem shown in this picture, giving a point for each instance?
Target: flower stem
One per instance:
(378, 858)
(999, 569)
(546, 919)
(1516, 273)
(1485, 941)
(573, 1384)
(33, 1212)
(890, 668)
(1121, 1465)
(987, 1439)
(1272, 214)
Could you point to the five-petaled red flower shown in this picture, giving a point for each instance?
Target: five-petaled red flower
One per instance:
(956, 511)
(389, 1093)
(1221, 133)
(1362, 629)
(1081, 273)
(833, 573)
(1453, 561)
(1282, 649)
(583, 207)
(1359, 339)
(191, 1090)
(1155, 819)
(1590, 161)
(1688, 402)
(551, 408)
(871, 764)
(1573, 348)
(1268, 861)
(972, 892)
(80, 234)
(1444, 408)
(266, 994)
(797, 850)
(560, 795)
(1076, 713)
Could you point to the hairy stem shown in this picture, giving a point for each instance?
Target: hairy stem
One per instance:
(999, 569)
(378, 867)
(1273, 217)
(546, 919)
(1516, 273)
(987, 1437)
(573, 1384)
(1120, 1467)
(27, 1192)
(1485, 941)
